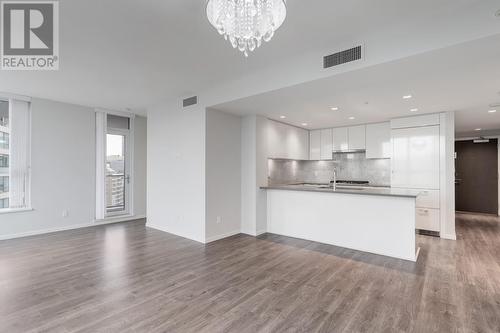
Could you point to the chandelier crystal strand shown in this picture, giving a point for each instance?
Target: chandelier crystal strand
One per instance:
(246, 23)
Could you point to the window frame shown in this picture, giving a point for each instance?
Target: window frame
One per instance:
(27, 185)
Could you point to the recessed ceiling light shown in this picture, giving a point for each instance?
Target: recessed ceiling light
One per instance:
(478, 129)
(492, 111)
(414, 110)
(407, 96)
(304, 124)
(282, 117)
(352, 118)
(334, 109)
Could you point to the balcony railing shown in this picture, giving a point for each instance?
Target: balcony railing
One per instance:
(115, 192)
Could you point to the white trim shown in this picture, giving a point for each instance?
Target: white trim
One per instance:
(15, 210)
(254, 234)
(116, 113)
(449, 237)
(219, 237)
(498, 149)
(4, 95)
(471, 138)
(72, 227)
(129, 168)
(131, 164)
(249, 233)
(163, 229)
(100, 164)
(121, 218)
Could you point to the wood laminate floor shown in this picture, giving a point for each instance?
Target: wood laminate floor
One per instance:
(129, 278)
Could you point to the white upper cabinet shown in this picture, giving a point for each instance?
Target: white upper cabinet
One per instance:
(276, 138)
(378, 140)
(415, 157)
(326, 144)
(357, 137)
(297, 143)
(340, 139)
(315, 145)
(416, 121)
(286, 141)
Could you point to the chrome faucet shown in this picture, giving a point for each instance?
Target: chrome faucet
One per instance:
(334, 179)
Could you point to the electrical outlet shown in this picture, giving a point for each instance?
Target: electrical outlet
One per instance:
(219, 220)
(65, 213)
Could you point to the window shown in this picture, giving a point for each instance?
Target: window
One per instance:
(4, 161)
(14, 154)
(4, 154)
(4, 140)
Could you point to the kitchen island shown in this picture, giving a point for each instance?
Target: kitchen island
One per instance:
(374, 220)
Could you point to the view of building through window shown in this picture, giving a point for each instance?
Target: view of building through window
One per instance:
(4, 154)
(115, 172)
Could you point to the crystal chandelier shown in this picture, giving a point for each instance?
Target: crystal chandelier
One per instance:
(245, 23)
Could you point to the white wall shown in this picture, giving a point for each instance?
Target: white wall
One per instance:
(140, 165)
(63, 170)
(248, 175)
(254, 175)
(176, 170)
(447, 177)
(223, 175)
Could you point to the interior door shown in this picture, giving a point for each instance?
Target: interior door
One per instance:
(117, 172)
(476, 177)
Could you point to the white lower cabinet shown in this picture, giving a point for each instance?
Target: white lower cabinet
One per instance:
(428, 219)
(428, 211)
(428, 199)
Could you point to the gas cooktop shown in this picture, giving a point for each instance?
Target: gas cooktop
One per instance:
(353, 182)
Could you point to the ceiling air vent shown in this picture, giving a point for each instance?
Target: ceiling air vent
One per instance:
(190, 101)
(342, 57)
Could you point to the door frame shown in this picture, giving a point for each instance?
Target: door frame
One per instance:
(498, 156)
(129, 162)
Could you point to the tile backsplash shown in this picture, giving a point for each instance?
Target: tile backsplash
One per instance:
(350, 166)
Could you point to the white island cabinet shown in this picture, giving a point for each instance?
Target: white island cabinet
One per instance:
(385, 225)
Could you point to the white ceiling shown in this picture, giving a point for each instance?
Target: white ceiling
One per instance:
(464, 78)
(131, 54)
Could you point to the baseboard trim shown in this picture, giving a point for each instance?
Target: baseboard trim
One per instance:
(254, 234)
(261, 232)
(163, 229)
(219, 237)
(450, 237)
(71, 227)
